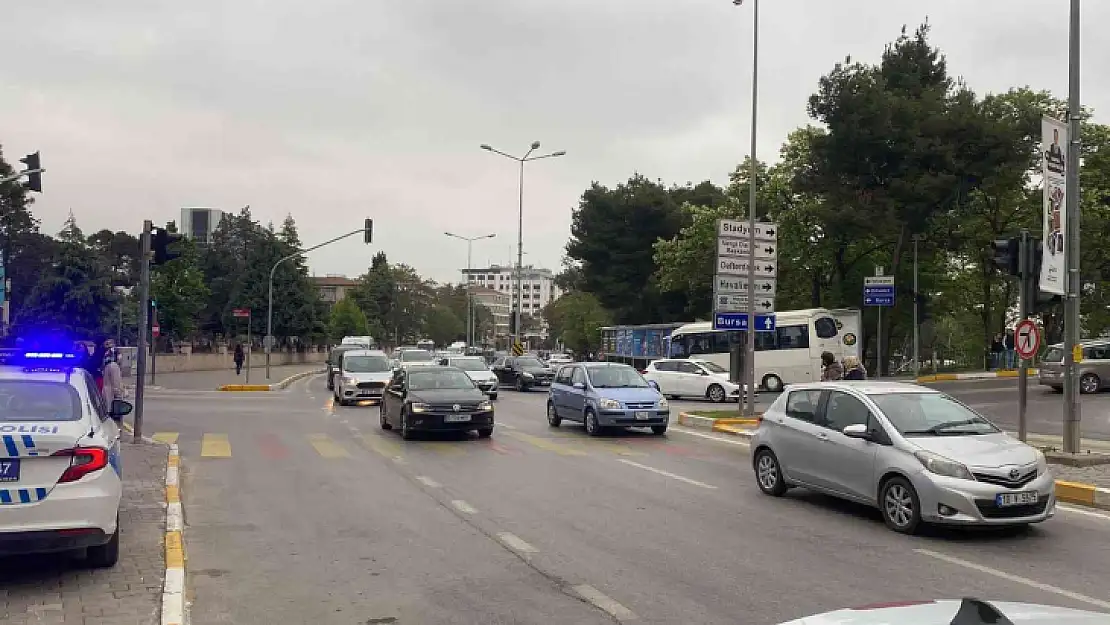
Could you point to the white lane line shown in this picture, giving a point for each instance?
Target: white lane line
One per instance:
(1017, 579)
(463, 507)
(506, 425)
(719, 439)
(427, 481)
(1090, 513)
(600, 600)
(673, 476)
(516, 543)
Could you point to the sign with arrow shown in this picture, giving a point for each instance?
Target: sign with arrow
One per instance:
(728, 285)
(739, 303)
(737, 228)
(740, 268)
(1027, 339)
(740, 248)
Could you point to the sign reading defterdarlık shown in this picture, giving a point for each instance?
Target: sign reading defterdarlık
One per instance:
(1054, 146)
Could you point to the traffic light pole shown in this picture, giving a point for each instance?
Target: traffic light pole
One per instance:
(1026, 285)
(1072, 411)
(20, 174)
(144, 313)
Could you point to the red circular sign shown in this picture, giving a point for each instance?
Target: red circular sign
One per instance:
(1027, 339)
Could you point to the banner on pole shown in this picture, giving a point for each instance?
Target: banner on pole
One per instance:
(1054, 145)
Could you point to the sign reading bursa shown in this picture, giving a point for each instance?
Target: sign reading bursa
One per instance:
(745, 276)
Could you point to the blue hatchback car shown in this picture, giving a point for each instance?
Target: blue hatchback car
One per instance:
(604, 394)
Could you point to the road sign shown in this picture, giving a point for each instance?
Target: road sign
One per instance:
(878, 291)
(1027, 340)
(518, 349)
(738, 302)
(241, 312)
(729, 285)
(155, 331)
(739, 268)
(740, 248)
(739, 321)
(879, 281)
(739, 229)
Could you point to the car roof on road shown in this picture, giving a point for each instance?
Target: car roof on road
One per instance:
(432, 369)
(364, 352)
(869, 387)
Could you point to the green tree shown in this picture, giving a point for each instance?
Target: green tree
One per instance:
(375, 294)
(24, 252)
(576, 319)
(179, 288)
(121, 252)
(347, 319)
(443, 326)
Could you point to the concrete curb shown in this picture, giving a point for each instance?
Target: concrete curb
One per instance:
(1080, 494)
(732, 427)
(977, 375)
(277, 386)
(173, 593)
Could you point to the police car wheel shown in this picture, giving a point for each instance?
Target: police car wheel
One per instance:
(104, 556)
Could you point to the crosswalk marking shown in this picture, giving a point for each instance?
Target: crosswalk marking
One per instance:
(381, 446)
(168, 438)
(442, 448)
(215, 446)
(327, 447)
(547, 444)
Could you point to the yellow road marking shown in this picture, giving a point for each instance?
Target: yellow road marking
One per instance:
(175, 552)
(442, 448)
(174, 460)
(168, 438)
(381, 446)
(173, 494)
(546, 444)
(327, 447)
(215, 446)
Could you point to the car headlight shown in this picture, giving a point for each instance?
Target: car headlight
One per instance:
(1042, 463)
(485, 406)
(663, 404)
(348, 380)
(527, 376)
(935, 463)
(419, 407)
(609, 404)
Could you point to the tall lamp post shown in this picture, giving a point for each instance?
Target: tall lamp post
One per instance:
(520, 221)
(469, 296)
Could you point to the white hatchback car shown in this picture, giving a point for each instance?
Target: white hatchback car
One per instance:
(679, 377)
(478, 371)
(60, 484)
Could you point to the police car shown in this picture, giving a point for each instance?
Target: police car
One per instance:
(60, 484)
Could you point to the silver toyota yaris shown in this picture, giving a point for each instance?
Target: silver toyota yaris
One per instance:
(918, 455)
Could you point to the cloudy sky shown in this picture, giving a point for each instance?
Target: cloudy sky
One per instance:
(333, 110)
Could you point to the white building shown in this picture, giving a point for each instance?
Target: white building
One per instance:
(497, 303)
(537, 287)
(199, 223)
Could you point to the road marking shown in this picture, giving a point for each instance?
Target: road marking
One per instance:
(545, 444)
(327, 447)
(1010, 577)
(673, 476)
(506, 426)
(1090, 513)
(604, 603)
(168, 438)
(719, 439)
(427, 481)
(215, 446)
(514, 542)
(380, 446)
(441, 448)
(463, 507)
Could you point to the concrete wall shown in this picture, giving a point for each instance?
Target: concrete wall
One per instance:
(168, 363)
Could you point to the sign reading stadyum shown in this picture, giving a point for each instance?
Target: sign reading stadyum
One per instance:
(737, 259)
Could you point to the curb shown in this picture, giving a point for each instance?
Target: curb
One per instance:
(277, 386)
(173, 593)
(978, 375)
(732, 427)
(1080, 494)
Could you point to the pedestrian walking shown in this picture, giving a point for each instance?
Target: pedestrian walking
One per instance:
(830, 368)
(853, 369)
(113, 378)
(239, 358)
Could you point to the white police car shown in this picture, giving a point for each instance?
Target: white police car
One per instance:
(60, 484)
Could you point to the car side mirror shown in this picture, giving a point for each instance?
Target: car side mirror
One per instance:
(580, 386)
(857, 430)
(120, 409)
(654, 384)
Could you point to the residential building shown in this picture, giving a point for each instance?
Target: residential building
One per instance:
(498, 303)
(198, 224)
(333, 288)
(537, 285)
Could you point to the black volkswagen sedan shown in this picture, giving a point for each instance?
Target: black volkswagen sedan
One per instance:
(434, 398)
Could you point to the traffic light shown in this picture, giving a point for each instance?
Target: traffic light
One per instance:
(1005, 255)
(34, 179)
(368, 231)
(164, 244)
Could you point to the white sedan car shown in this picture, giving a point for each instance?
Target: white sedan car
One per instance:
(60, 484)
(679, 377)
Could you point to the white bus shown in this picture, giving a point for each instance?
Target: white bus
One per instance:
(789, 355)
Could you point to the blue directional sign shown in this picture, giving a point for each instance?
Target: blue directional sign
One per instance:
(739, 321)
(878, 295)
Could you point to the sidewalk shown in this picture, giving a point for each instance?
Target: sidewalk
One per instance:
(211, 380)
(973, 375)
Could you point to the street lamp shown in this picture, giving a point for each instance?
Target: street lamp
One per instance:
(469, 296)
(520, 219)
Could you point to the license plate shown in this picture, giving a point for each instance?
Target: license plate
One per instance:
(1004, 500)
(9, 470)
(643, 416)
(456, 418)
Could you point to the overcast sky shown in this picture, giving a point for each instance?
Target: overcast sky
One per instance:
(338, 110)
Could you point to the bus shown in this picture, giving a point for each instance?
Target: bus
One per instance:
(789, 355)
(426, 345)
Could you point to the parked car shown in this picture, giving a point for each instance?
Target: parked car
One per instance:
(915, 453)
(332, 362)
(523, 372)
(679, 377)
(435, 398)
(478, 370)
(363, 375)
(1094, 370)
(606, 394)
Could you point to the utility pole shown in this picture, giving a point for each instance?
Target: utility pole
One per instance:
(749, 354)
(1026, 292)
(144, 312)
(1072, 412)
(916, 304)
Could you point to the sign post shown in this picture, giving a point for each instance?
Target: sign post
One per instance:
(878, 291)
(241, 313)
(744, 290)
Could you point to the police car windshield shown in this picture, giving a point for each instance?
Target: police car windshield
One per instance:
(469, 364)
(439, 380)
(416, 355)
(366, 364)
(38, 400)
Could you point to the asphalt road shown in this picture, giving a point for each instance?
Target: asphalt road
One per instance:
(300, 511)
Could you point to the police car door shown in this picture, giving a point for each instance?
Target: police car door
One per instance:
(103, 425)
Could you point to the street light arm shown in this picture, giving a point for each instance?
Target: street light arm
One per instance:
(552, 155)
(506, 155)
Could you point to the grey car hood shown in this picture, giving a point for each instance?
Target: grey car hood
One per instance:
(377, 376)
(944, 612)
(988, 450)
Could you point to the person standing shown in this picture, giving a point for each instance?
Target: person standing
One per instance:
(1008, 349)
(853, 369)
(997, 349)
(240, 356)
(112, 388)
(831, 370)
